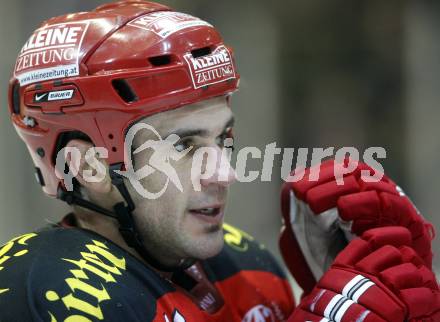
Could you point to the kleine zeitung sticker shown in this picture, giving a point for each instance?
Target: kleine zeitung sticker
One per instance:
(51, 52)
(211, 69)
(165, 23)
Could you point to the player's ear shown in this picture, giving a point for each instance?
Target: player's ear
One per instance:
(90, 167)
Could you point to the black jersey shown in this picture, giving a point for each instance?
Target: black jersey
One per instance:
(74, 275)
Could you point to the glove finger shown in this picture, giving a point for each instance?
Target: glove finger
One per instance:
(402, 276)
(381, 186)
(365, 210)
(352, 253)
(410, 256)
(363, 205)
(400, 211)
(372, 239)
(325, 172)
(322, 173)
(394, 236)
(363, 168)
(313, 176)
(358, 227)
(423, 247)
(421, 301)
(385, 208)
(325, 196)
(379, 260)
(428, 278)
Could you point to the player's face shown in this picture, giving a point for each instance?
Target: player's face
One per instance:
(187, 223)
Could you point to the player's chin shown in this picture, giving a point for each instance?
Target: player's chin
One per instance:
(209, 244)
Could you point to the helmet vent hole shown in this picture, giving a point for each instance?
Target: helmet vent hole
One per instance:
(124, 90)
(160, 60)
(201, 52)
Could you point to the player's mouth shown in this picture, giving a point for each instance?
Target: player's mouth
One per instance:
(212, 214)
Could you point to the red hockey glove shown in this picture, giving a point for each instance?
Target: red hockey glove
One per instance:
(321, 216)
(376, 278)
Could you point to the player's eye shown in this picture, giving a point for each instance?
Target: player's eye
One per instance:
(225, 140)
(183, 145)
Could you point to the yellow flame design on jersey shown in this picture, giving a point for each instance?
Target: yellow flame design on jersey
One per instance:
(6, 251)
(91, 262)
(236, 238)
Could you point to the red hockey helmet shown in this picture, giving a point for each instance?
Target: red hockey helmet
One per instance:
(98, 72)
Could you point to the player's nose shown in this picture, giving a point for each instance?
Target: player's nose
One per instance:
(224, 173)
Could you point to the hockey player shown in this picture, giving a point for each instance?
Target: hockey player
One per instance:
(87, 80)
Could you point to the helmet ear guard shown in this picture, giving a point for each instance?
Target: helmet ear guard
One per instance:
(70, 80)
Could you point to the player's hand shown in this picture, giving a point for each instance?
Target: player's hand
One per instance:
(321, 216)
(376, 278)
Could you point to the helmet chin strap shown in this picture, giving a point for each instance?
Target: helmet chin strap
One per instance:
(124, 215)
